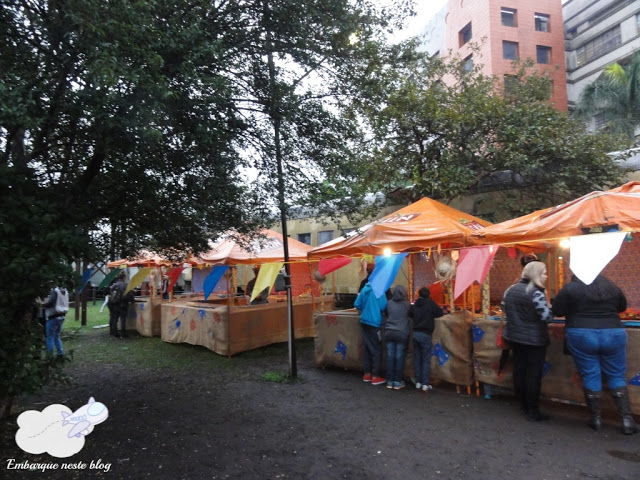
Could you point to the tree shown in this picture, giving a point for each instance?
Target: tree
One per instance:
(126, 123)
(446, 132)
(615, 95)
(117, 129)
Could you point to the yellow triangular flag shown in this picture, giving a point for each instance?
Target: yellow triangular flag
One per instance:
(266, 278)
(138, 278)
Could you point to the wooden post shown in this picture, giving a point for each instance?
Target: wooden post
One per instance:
(412, 293)
(486, 297)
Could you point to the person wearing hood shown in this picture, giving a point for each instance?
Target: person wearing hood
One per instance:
(56, 307)
(371, 308)
(423, 312)
(396, 336)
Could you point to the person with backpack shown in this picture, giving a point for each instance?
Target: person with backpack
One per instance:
(56, 307)
(119, 306)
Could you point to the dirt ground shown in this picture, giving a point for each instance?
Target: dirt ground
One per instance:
(231, 424)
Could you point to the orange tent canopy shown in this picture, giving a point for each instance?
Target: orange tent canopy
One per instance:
(144, 259)
(267, 248)
(619, 206)
(423, 224)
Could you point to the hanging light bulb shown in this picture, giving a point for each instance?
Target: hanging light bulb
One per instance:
(386, 252)
(565, 243)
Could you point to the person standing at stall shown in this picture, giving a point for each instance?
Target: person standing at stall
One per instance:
(371, 308)
(396, 336)
(424, 312)
(597, 342)
(119, 306)
(527, 314)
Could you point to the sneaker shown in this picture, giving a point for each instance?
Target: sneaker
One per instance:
(418, 386)
(537, 416)
(426, 388)
(389, 384)
(378, 381)
(398, 385)
(367, 377)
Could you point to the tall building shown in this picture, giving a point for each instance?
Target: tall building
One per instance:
(598, 33)
(506, 30)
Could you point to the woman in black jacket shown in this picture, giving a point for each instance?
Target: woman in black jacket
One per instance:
(597, 342)
(527, 314)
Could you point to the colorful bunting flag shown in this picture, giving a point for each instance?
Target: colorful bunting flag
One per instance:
(266, 278)
(212, 279)
(137, 279)
(473, 265)
(591, 253)
(329, 265)
(385, 272)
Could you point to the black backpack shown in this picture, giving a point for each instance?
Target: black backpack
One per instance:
(116, 294)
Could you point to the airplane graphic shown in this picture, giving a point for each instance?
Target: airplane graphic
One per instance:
(85, 418)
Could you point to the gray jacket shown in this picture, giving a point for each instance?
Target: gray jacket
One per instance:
(398, 312)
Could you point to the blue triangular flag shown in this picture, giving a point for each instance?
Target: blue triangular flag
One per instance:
(212, 279)
(385, 271)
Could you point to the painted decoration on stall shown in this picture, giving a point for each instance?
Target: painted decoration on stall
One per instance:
(192, 325)
(635, 380)
(546, 368)
(341, 349)
(332, 320)
(441, 354)
(478, 333)
(202, 314)
(216, 317)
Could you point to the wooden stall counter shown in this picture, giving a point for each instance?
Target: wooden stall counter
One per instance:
(231, 330)
(339, 343)
(560, 381)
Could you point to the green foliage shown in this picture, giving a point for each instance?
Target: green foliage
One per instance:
(277, 377)
(444, 132)
(615, 95)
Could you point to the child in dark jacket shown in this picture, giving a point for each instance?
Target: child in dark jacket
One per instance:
(423, 312)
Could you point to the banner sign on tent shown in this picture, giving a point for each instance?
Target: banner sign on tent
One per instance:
(591, 253)
(473, 265)
(212, 279)
(385, 271)
(266, 278)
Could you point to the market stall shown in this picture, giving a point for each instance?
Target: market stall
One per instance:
(424, 234)
(222, 318)
(586, 223)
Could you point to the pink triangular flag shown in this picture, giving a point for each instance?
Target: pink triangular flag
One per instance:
(473, 265)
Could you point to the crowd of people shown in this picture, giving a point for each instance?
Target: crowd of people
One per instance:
(595, 337)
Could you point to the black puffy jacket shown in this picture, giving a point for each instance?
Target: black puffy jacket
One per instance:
(527, 315)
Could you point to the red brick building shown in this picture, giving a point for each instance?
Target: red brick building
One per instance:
(511, 29)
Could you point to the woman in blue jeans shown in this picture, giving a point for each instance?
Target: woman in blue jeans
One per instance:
(598, 343)
(396, 335)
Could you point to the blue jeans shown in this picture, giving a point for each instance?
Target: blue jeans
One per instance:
(422, 349)
(596, 351)
(54, 325)
(396, 348)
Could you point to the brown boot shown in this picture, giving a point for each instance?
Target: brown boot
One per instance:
(593, 404)
(621, 397)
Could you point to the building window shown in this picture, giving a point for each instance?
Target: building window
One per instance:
(465, 34)
(638, 23)
(543, 54)
(467, 66)
(508, 16)
(601, 45)
(304, 238)
(509, 50)
(324, 236)
(542, 22)
(510, 84)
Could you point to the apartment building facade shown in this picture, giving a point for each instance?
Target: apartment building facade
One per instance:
(505, 30)
(598, 33)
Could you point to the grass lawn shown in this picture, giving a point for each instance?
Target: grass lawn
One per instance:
(90, 345)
